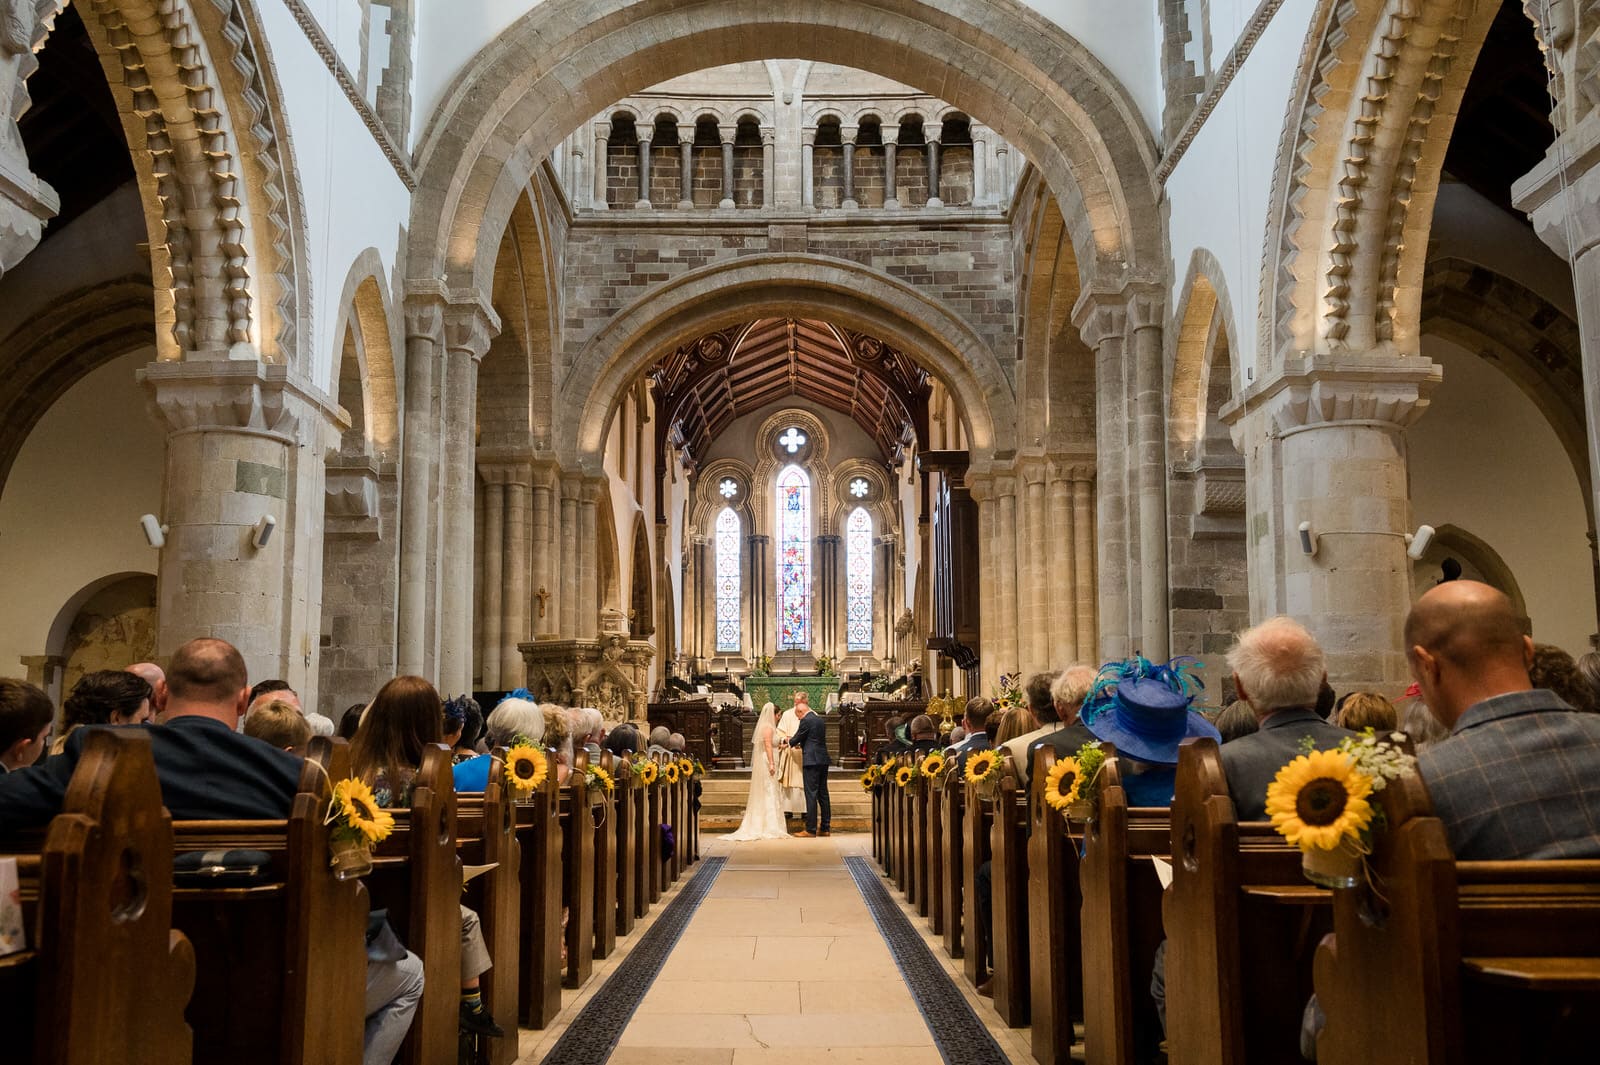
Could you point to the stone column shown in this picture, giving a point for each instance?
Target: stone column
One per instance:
(1002, 170)
(705, 641)
(849, 138)
(1332, 429)
(514, 628)
(686, 162)
(589, 561)
(643, 203)
(1036, 611)
(808, 194)
(828, 614)
(245, 441)
(982, 487)
(45, 671)
(546, 548)
(1005, 583)
(1150, 424)
(494, 536)
(769, 165)
(469, 324)
(1103, 321)
(728, 203)
(1061, 619)
(568, 591)
(933, 175)
(1083, 555)
(891, 195)
(760, 606)
(424, 312)
(26, 202)
(980, 170)
(602, 165)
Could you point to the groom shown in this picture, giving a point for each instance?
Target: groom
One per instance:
(812, 740)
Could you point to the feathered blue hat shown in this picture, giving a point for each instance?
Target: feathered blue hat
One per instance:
(1143, 708)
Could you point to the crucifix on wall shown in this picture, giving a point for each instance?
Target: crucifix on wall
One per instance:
(542, 596)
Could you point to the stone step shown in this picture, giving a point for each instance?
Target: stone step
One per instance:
(724, 794)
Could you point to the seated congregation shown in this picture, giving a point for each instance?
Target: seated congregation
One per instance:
(206, 873)
(1302, 874)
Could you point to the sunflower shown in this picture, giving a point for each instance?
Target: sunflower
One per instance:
(981, 765)
(670, 771)
(1062, 783)
(647, 774)
(868, 779)
(686, 767)
(600, 777)
(933, 765)
(904, 776)
(526, 767)
(1319, 800)
(357, 810)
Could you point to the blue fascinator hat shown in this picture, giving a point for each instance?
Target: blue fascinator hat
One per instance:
(1143, 709)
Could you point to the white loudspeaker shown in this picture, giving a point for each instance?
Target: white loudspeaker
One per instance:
(1308, 539)
(1417, 543)
(155, 533)
(263, 531)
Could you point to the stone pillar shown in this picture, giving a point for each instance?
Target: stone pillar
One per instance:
(1083, 556)
(982, 487)
(1005, 583)
(45, 671)
(769, 165)
(245, 441)
(827, 614)
(494, 536)
(980, 170)
(760, 606)
(567, 594)
(26, 202)
(1150, 425)
(589, 605)
(891, 196)
(424, 312)
(849, 202)
(514, 628)
(643, 203)
(1036, 612)
(469, 324)
(1330, 431)
(728, 202)
(1002, 170)
(933, 175)
(602, 165)
(808, 194)
(686, 162)
(1103, 322)
(546, 548)
(1061, 618)
(699, 584)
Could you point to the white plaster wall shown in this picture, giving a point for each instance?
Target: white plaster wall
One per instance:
(341, 21)
(353, 198)
(1122, 35)
(1227, 22)
(1484, 458)
(70, 511)
(1217, 196)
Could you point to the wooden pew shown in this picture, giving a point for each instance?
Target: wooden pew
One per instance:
(1478, 961)
(643, 843)
(879, 827)
(602, 811)
(1054, 900)
(106, 973)
(577, 861)
(1121, 924)
(918, 810)
(655, 797)
(1008, 840)
(417, 877)
(539, 838)
(281, 966)
(625, 829)
(933, 857)
(486, 826)
(1242, 923)
(904, 865)
(954, 848)
(975, 850)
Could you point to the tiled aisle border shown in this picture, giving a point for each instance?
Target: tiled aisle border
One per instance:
(960, 1036)
(593, 1033)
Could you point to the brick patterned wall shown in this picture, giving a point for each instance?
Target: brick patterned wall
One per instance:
(827, 176)
(911, 175)
(622, 176)
(955, 175)
(869, 176)
(666, 176)
(747, 175)
(707, 175)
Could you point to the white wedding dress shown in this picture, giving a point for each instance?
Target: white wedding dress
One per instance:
(763, 811)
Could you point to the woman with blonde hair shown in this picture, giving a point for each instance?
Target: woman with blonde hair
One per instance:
(1364, 710)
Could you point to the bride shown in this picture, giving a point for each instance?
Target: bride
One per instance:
(763, 812)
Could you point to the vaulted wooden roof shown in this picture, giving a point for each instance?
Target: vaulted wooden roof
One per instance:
(707, 383)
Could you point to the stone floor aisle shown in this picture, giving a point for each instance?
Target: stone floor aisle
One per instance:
(782, 964)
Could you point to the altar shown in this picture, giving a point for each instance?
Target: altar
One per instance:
(779, 689)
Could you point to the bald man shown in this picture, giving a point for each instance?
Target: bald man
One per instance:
(156, 677)
(1517, 776)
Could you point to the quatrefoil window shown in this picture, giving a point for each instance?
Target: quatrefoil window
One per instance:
(729, 488)
(792, 440)
(858, 488)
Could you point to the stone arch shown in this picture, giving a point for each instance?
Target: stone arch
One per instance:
(129, 635)
(1035, 85)
(516, 373)
(760, 286)
(641, 586)
(1202, 347)
(1479, 560)
(365, 313)
(1055, 392)
(55, 348)
(1358, 169)
(706, 502)
(199, 104)
(608, 557)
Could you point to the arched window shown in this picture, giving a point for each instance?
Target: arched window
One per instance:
(794, 560)
(729, 628)
(858, 581)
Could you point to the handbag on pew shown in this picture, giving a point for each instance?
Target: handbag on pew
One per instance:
(793, 773)
(219, 869)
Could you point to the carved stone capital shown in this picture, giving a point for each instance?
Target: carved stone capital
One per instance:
(503, 471)
(1321, 390)
(1561, 195)
(249, 397)
(1107, 310)
(425, 305)
(469, 324)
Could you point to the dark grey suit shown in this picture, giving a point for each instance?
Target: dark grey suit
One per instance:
(812, 739)
(1517, 779)
(1252, 761)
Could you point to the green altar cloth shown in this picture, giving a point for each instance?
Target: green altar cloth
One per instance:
(779, 689)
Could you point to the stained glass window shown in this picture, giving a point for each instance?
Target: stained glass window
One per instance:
(794, 560)
(728, 555)
(858, 581)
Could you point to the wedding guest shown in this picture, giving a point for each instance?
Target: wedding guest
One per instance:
(973, 721)
(1515, 777)
(278, 722)
(924, 735)
(895, 744)
(513, 718)
(1041, 719)
(156, 677)
(1067, 693)
(593, 724)
(622, 740)
(958, 736)
(677, 744)
(1015, 724)
(1278, 669)
(105, 697)
(1146, 718)
(320, 725)
(1589, 670)
(660, 737)
(350, 721)
(276, 689)
(558, 737)
(455, 726)
(1236, 720)
(1364, 710)
(25, 717)
(1554, 670)
(406, 717)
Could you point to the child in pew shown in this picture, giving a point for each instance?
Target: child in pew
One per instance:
(25, 717)
(278, 722)
(406, 716)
